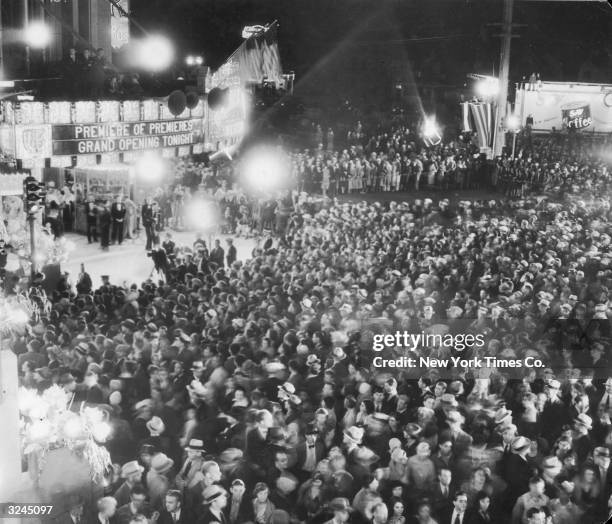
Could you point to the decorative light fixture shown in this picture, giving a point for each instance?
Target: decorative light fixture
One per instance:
(48, 424)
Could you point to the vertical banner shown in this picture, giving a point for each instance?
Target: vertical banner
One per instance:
(120, 25)
(227, 124)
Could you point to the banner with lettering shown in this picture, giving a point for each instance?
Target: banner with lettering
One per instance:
(114, 137)
(228, 123)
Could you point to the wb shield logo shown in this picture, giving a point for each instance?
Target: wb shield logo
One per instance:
(34, 140)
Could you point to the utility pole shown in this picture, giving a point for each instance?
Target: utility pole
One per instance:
(26, 23)
(499, 136)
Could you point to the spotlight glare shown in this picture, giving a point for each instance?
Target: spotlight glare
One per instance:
(430, 128)
(487, 87)
(38, 35)
(155, 53)
(150, 167)
(190, 60)
(202, 215)
(265, 169)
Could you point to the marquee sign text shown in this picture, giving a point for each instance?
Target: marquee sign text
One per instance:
(114, 137)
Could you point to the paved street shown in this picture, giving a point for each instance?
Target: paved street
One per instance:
(129, 262)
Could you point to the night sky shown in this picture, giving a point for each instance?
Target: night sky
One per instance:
(432, 34)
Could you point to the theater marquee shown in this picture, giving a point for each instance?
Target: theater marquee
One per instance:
(116, 137)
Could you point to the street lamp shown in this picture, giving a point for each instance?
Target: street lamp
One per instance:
(513, 124)
(37, 35)
(192, 60)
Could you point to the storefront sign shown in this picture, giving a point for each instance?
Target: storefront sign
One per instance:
(559, 105)
(114, 137)
(576, 115)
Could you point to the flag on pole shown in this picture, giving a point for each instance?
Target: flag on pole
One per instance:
(479, 118)
(249, 56)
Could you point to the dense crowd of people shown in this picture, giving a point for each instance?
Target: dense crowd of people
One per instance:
(247, 390)
(393, 159)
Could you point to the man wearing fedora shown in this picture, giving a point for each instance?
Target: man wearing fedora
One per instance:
(158, 479)
(186, 477)
(208, 475)
(519, 469)
(132, 473)
(359, 458)
(156, 428)
(341, 509)
(215, 501)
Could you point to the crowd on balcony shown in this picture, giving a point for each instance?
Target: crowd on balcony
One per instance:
(89, 75)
